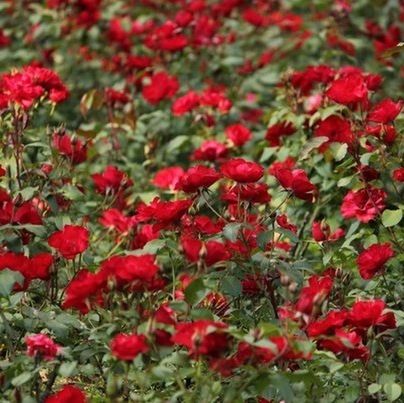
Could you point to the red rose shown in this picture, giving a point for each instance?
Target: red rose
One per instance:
(70, 241)
(40, 266)
(167, 178)
(332, 321)
(42, 346)
(145, 233)
(241, 170)
(127, 347)
(297, 182)
(278, 130)
(315, 292)
(113, 218)
(398, 174)
(251, 192)
(210, 150)
(282, 221)
(196, 178)
(350, 89)
(347, 343)
(372, 260)
(363, 204)
(210, 252)
(68, 394)
(129, 269)
(385, 111)
(202, 337)
(365, 314)
(163, 213)
(238, 134)
(185, 104)
(111, 180)
(161, 86)
(71, 147)
(215, 98)
(288, 163)
(336, 129)
(321, 232)
(84, 291)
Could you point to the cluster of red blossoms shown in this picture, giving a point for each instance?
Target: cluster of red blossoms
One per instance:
(233, 246)
(24, 88)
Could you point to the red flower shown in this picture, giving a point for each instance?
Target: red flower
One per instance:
(288, 163)
(185, 104)
(238, 134)
(204, 337)
(72, 148)
(398, 174)
(242, 171)
(144, 234)
(368, 173)
(321, 232)
(365, 314)
(314, 293)
(250, 192)
(202, 224)
(278, 130)
(84, 291)
(127, 347)
(372, 260)
(161, 86)
(196, 178)
(42, 346)
(111, 180)
(297, 182)
(349, 89)
(166, 37)
(39, 266)
(210, 150)
(167, 178)
(348, 343)
(70, 241)
(306, 79)
(363, 204)
(211, 251)
(215, 98)
(129, 269)
(113, 218)
(282, 221)
(68, 394)
(332, 321)
(336, 129)
(385, 111)
(163, 213)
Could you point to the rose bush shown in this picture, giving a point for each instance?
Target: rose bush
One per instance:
(201, 200)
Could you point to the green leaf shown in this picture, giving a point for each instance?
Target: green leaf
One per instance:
(231, 286)
(176, 143)
(343, 182)
(339, 150)
(67, 368)
(391, 217)
(71, 192)
(374, 388)
(154, 246)
(7, 280)
(230, 231)
(196, 291)
(392, 390)
(311, 145)
(22, 378)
